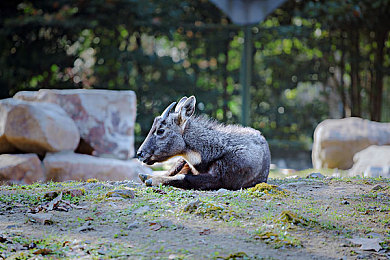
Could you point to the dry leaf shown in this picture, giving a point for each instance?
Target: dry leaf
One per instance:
(43, 251)
(54, 203)
(155, 226)
(205, 232)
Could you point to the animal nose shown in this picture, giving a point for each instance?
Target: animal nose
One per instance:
(140, 154)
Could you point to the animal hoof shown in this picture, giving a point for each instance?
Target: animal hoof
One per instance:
(143, 176)
(148, 182)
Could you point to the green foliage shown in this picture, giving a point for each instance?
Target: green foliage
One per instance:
(166, 49)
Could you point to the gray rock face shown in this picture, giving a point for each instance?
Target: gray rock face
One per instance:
(72, 166)
(37, 128)
(21, 168)
(373, 161)
(336, 141)
(105, 118)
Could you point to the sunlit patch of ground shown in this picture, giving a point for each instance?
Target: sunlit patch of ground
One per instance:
(296, 218)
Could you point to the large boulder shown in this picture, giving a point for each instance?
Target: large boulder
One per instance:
(105, 118)
(39, 127)
(5, 106)
(21, 168)
(36, 127)
(373, 161)
(336, 141)
(72, 166)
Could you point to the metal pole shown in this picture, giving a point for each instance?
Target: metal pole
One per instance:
(246, 75)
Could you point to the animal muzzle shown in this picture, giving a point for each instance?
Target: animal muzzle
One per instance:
(145, 157)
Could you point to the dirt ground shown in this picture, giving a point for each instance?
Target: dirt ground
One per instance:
(297, 218)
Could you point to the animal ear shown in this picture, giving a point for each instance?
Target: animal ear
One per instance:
(186, 110)
(180, 104)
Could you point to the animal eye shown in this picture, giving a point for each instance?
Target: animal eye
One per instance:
(160, 131)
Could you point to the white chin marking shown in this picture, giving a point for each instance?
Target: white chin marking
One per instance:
(192, 157)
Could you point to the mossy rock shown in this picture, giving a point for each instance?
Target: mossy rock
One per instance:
(268, 189)
(290, 217)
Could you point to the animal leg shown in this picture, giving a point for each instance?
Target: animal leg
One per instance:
(181, 166)
(187, 181)
(177, 167)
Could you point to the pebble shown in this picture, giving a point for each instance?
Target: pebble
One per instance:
(315, 175)
(127, 194)
(222, 191)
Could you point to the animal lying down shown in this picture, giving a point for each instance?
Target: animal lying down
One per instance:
(213, 155)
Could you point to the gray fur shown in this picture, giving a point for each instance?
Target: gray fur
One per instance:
(231, 156)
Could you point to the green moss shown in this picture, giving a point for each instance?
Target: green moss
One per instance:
(288, 217)
(212, 210)
(278, 238)
(265, 188)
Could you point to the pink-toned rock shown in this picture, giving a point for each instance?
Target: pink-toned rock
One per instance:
(105, 118)
(336, 141)
(21, 168)
(39, 127)
(72, 166)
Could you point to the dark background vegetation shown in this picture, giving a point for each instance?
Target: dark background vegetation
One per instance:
(312, 59)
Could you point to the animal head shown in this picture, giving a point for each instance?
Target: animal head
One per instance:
(165, 138)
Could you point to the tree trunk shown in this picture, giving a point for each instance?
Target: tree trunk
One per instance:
(355, 80)
(342, 71)
(377, 86)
